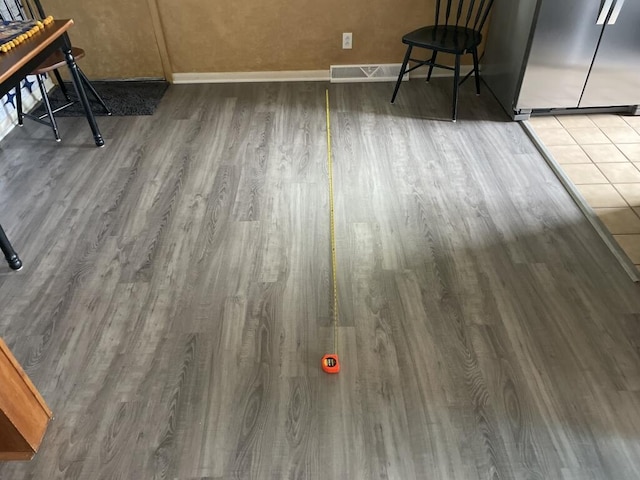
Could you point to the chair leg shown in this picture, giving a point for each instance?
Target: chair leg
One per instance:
(456, 85)
(47, 106)
(476, 71)
(63, 88)
(19, 104)
(402, 70)
(433, 59)
(87, 83)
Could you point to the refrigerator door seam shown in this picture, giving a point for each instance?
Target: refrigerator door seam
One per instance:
(616, 12)
(604, 11)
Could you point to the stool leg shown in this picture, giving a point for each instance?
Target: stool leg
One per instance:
(87, 83)
(62, 86)
(47, 106)
(19, 104)
(79, 87)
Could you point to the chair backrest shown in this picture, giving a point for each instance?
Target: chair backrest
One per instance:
(463, 13)
(21, 10)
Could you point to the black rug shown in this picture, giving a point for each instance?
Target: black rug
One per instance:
(124, 98)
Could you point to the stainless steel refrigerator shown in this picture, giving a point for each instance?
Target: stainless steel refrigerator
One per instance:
(551, 55)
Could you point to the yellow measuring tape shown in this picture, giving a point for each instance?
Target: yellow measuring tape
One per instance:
(330, 362)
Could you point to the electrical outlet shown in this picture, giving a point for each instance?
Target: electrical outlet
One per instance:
(347, 41)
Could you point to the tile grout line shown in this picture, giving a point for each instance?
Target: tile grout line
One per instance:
(597, 164)
(587, 210)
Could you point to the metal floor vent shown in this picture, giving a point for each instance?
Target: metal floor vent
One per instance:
(366, 73)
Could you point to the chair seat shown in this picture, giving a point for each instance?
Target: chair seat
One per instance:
(444, 38)
(57, 60)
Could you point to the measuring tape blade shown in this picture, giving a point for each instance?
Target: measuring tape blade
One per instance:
(330, 362)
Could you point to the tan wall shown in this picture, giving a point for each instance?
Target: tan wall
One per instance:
(264, 35)
(237, 36)
(116, 34)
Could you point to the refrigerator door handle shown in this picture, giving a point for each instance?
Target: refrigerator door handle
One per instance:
(616, 12)
(604, 11)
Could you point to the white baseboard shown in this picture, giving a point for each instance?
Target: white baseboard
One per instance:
(289, 76)
(244, 77)
(360, 73)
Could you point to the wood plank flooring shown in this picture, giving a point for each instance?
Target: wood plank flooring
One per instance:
(175, 301)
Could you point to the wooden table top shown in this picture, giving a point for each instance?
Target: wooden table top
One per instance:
(17, 57)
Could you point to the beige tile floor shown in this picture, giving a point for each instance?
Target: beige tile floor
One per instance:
(601, 155)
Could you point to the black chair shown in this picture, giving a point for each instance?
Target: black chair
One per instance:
(456, 31)
(32, 9)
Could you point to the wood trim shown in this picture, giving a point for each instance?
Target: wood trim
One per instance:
(20, 456)
(4, 350)
(24, 415)
(158, 30)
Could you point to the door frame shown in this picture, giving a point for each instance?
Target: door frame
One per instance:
(161, 41)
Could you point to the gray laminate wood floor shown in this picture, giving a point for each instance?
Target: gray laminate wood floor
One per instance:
(175, 301)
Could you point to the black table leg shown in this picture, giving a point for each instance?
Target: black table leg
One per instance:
(77, 84)
(9, 253)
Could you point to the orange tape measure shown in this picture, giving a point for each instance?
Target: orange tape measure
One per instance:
(330, 362)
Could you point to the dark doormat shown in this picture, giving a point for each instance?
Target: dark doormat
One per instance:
(124, 98)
